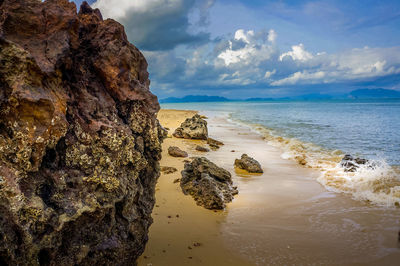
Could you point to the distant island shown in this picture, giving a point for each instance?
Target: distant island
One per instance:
(374, 93)
(355, 94)
(195, 98)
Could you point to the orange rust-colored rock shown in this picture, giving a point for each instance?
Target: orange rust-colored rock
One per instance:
(79, 138)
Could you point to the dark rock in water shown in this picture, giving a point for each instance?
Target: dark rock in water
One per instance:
(350, 164)
(168, 170)
(215, 144)
(192, 128)
(249, 164)
(176, 152)
(201, 148)
(209, 185)
(79, 138)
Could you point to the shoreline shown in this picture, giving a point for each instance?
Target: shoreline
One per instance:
(282, 216)
(193, 238)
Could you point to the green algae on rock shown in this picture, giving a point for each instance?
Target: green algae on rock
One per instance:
(79, 138)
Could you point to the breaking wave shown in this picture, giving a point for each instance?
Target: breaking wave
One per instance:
(376, 181)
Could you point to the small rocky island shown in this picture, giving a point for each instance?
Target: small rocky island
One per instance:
(79, 138)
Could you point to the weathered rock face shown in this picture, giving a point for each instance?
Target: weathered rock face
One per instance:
(79, 139)
(192, 128)
(209, 185)
(249, 164)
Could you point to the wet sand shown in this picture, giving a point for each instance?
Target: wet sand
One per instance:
(283, 216)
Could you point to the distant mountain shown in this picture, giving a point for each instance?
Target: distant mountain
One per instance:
(309, 97)
(259, 99)
(374, 93)
(194, 99)
(356, 94)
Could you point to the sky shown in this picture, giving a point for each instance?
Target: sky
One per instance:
(243, 48)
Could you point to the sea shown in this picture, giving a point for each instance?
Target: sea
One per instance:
(317, 134)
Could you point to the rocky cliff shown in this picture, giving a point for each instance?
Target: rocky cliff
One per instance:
(79, 138)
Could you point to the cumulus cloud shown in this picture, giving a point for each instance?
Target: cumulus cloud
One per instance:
(252, 59)
(272, 36)
(157, 24)
(268, 74)
(353, 65)
(256, 48)
(299, 76)
(297, 53)
(175, 38)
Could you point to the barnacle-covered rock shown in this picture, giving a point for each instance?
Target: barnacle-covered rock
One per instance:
(209, 185)
(79, 138)
(192, 128)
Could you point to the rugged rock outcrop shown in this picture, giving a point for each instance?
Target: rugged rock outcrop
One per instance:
(192, 128)
(249, 164)
(351, 164)
(209, 185)
(79, 138)
(176, 152)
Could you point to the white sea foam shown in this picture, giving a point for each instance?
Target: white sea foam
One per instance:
(376, 181)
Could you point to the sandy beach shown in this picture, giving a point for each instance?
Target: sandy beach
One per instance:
(283, 216)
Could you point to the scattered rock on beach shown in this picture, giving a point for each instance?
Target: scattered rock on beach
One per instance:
(209, 185)
(168, 170)
(176, 152)
(350, 164)
(249, 164)
(192, 128)
(215, 144)
(201, 148)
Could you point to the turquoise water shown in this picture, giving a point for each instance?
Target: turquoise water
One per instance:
(369, 129)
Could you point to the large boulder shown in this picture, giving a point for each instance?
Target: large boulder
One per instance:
(249, 164)
(79, 138)
(209, 185)
(192, 128)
